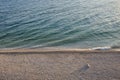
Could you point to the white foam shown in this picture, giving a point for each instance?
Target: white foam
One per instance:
(102, 48)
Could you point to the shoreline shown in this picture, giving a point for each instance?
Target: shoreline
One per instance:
(61, 50)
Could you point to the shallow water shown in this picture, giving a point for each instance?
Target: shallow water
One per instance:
(59, 23)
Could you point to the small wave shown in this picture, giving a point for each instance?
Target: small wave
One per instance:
(102, 48)
(36, 46)
(106, 47)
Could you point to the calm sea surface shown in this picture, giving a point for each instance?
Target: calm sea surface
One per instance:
(59, 23)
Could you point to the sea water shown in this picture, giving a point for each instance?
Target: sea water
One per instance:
(59, 23)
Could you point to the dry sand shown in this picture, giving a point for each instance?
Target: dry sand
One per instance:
(40, 64)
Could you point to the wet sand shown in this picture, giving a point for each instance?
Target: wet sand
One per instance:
(36, 64)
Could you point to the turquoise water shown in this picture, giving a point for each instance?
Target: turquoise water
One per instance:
(59, 23)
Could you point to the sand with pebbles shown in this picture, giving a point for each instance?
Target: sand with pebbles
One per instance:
(59, 65)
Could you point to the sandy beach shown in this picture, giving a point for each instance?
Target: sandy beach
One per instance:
(59, 64)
